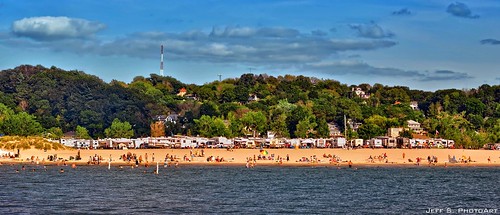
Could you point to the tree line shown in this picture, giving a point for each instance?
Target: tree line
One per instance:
(58, 101)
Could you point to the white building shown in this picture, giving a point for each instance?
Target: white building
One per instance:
(415, 126)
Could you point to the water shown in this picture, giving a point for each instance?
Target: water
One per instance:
(237, 190)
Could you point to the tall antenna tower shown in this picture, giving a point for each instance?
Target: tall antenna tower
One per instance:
(161, 60)
(220, 77)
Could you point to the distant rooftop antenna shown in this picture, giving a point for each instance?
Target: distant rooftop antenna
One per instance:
(250, 69)
(161, 60)
(220, 77)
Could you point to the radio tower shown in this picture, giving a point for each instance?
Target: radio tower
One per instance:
(161, 60)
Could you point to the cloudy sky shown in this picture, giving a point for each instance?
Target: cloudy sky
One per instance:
(425, 45)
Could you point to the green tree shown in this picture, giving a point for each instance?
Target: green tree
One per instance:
(278, 118)
(227, 93)
(278, 125)
(82, 133)
(5, 112)
(322, 128)
(209, 109)
(370, 130)
(494, 132)
(211, 126)
(219, 128)
(54, 133)
(305, 127)
(236, 128)
(255, 122)
(21, 124)
(119, 129)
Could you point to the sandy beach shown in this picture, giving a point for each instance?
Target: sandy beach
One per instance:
(380, 157)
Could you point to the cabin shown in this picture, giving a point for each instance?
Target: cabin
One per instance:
(376, 143)
(275, 143)
(356, 143)
(339, 142)
(321, 143)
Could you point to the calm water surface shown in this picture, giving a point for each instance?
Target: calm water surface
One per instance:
(237, 190)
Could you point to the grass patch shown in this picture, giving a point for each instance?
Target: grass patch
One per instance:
(16, 142)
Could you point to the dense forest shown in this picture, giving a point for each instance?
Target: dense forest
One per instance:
(35, 100)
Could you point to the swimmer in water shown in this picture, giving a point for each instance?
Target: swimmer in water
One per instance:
(61, 171)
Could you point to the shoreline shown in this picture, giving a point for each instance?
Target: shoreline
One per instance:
(238, 157)
(232, 164)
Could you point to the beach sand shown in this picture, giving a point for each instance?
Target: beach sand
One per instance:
(239, 156)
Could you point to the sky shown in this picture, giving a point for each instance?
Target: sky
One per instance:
(425, 45)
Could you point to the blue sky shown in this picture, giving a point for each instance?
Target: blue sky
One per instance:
(425, 45)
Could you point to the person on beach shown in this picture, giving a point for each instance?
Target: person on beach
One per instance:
(489, 159)
(350, 164)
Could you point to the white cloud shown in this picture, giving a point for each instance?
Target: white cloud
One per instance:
(278, 32)
(264, 46)
(50, 28)
(359, 68)
(268, 46)
(371, 30)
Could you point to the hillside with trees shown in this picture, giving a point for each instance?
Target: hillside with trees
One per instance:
(50, 101)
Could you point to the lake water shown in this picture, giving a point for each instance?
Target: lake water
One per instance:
(237, 190)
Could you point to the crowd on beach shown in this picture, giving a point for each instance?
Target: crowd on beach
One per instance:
(263, 156)
(380, 158)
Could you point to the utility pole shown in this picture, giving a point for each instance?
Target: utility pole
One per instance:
(161, 60)
(220, 77)
(345, 127)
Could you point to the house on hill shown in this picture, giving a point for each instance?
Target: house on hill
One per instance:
(360, 93)
(334, 130)
(414, 105)
(415, 126)
(253, 98)
(182, 92)
(167, 118)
